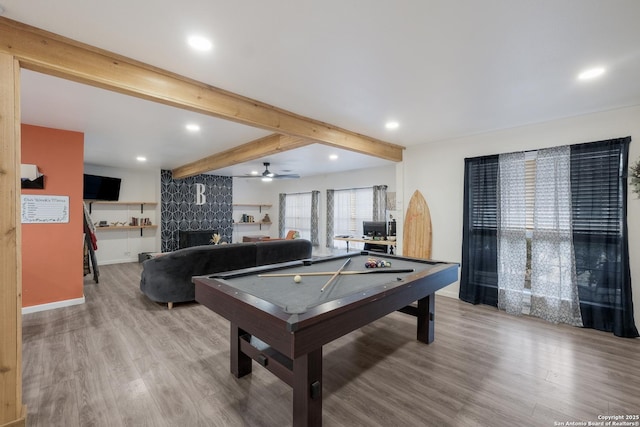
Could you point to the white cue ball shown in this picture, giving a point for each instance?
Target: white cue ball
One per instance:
(297, 278)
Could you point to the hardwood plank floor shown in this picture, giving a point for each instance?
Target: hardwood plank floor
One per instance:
(122, 360)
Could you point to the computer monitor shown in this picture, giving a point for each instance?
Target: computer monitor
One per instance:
(374, 229)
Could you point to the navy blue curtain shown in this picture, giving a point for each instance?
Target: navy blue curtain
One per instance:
(600, 238)
(479, 273)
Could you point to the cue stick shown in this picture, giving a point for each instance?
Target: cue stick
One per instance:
(336, 274)
(342, 273)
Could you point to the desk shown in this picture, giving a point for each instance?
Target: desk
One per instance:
(390, 243)
(292, 321)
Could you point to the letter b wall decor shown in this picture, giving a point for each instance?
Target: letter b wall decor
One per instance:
(201, 198)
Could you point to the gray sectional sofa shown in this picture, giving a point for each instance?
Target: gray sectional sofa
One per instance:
(167, 278)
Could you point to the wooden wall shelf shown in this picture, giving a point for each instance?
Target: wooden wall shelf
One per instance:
(99, 202)
(259, 223)
(125, 227)
(104, 202)
(121, 212)
(254, 205)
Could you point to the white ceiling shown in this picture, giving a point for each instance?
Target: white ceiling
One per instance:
(441, 68)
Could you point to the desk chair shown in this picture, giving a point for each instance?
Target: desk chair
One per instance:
(292, 234)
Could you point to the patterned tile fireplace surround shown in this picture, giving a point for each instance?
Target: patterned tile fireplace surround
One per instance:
(198, 203)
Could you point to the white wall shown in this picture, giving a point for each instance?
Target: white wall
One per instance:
(437, 170)
(116, 246)
(251, 192)
(254, 191)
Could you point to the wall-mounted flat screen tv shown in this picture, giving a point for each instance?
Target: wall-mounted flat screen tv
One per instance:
(101, 188)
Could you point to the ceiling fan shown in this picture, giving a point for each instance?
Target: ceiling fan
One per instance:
(267, 175)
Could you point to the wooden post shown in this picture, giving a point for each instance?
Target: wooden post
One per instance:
(12, 412)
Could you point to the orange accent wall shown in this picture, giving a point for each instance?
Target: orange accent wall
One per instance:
(52, 254)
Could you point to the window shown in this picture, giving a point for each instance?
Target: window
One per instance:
(598, 216)
(297, 215)
(350, 208)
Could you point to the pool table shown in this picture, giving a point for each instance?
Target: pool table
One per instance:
(283, 324)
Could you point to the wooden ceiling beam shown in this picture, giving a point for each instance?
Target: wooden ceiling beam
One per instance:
(49, 53)
(271, 144)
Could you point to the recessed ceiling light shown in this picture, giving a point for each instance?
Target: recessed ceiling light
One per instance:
(392, 125)
(200, 43)
(141, 159)
(591, 73)
(192, 127)
(254, 172)
(333, 157)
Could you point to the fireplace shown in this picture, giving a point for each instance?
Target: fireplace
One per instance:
(188, 238)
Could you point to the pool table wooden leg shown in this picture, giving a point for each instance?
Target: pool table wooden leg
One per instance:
(426, 318)
(240, 362)
(307, 389)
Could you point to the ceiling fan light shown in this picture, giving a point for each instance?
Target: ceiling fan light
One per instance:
(267, 179)
(267, 173)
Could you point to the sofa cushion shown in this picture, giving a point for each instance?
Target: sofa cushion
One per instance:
(276, 251)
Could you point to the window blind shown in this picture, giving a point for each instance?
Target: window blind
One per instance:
(298, 214)
(483, 194)
(351, 207)
(596, 170)
(530, 186)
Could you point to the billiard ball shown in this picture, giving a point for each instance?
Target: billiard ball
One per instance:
(297, 278)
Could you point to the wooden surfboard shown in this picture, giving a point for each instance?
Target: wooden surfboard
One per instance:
(416, 237)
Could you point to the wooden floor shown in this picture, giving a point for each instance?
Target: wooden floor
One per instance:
(122, 360)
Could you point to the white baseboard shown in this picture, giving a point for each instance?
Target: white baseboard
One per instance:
(52, 305)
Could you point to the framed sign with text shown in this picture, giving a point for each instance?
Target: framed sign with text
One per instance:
(44, 209)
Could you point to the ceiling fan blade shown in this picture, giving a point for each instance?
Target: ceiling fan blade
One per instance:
(268, 174)
(275, 176)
